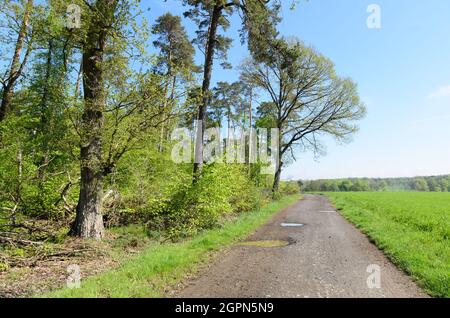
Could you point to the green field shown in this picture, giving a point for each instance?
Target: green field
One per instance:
(413, 229)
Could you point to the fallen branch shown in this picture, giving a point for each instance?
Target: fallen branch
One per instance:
(4, 239)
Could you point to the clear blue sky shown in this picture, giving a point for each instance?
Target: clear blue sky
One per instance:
(403, 73)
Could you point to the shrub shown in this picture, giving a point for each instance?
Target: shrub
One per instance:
(289, 187)
(222, 190)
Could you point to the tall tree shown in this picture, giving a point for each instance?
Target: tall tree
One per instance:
(116, 119)
(176, 57)
(307, 99)
(16, 66)
(89, 219)
(228, 100)
(211, 16)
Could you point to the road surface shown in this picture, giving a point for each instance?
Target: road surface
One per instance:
(327, 257)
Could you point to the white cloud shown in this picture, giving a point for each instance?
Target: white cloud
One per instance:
(443, 91)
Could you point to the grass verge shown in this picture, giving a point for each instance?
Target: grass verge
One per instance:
(151, 272)
(413, 230)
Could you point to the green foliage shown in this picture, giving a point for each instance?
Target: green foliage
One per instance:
(222, 190)
(420, 184)
(289, 187)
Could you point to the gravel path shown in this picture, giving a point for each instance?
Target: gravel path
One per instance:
(327, 257)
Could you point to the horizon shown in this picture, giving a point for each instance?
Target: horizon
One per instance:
(381, 178)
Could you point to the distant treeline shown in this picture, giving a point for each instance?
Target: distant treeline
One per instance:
(423, 184)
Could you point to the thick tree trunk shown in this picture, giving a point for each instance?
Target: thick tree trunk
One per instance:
(6, 101)
(15, 70)
(209, 58)
(89, 220)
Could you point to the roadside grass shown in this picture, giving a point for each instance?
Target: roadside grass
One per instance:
(161, 266)
(413, 230)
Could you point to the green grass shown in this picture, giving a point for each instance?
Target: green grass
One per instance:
(413, 229)
(161, 266)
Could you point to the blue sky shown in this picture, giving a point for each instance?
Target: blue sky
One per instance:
(403, 74)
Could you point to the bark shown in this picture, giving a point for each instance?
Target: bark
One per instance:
(16, 67)
(209, 59)
(279, 163)
(276, 180)
(250, 118)
(89, 219)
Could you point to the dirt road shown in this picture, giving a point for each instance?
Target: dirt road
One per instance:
(327, 257)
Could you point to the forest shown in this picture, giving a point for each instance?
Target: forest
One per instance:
(420, 184)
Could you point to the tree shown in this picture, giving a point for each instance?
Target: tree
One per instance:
(228, 101)
(382, 185)
(346, 185)
(89, 219)
(210, 16)
(308, 99)
(16, 66)
(360, 186)
(176, 57)
(443, 184)
(118, 119)
(420, 184)
(433, 185)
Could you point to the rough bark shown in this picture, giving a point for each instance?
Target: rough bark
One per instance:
(89, 219)
(209, 58)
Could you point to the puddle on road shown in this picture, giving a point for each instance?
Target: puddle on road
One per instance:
(273, 243)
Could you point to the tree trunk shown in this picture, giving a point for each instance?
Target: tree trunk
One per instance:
(6, 101)
(89, 219)
(250, 118)
(44, 120)
(276, 180)
(209, 58)
(166, 99)
(15, 70)
(279, 163)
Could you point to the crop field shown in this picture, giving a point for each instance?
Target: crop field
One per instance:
(413, 230)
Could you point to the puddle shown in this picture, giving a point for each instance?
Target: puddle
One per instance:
(273, 243)
(292, 224)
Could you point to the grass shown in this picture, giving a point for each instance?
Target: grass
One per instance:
(413, 229)
(159, 267)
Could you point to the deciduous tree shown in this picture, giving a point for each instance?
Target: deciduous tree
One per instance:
(308, 99)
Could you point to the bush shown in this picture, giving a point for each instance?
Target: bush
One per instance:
(289, 187)
(222, 190)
